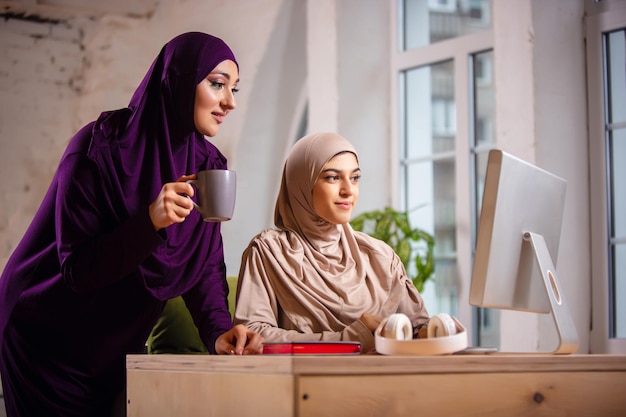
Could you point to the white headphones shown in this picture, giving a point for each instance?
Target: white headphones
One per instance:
(441, 325)
(394, 336)
(398, 326)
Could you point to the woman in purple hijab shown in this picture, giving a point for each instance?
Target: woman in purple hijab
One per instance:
(115, 237)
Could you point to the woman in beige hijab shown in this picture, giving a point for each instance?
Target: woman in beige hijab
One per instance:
(315, 278)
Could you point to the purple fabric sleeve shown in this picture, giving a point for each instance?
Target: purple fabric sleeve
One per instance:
(91, 256)
(207, 301)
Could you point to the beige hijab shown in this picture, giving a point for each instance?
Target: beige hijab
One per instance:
(311, 276)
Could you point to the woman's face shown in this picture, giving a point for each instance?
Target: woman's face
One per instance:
(336, 190)
(215, 98)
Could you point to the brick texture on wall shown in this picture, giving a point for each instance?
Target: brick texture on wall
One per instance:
(41, 65)
(60, 68)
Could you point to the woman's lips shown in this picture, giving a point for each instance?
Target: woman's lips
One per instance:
(218, 117)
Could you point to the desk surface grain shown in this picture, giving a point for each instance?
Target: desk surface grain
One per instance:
(492, 385)
(376, 364)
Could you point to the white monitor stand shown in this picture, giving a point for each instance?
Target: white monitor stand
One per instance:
(568, 336)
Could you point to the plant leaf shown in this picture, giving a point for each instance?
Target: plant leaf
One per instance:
(412, 245)
(404, 252)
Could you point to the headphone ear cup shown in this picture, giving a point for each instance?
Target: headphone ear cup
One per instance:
(398, 326)
(441, 325)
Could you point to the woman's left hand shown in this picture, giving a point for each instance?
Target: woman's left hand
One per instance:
(239, 341)
(371, 321)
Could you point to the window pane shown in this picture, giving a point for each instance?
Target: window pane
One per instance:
(444, 198)
(484, 99)
(430, 111)
(484, 125)
(431, 204)
(484, 137)
(617, 157)
(618, 182)
(619, 272)
(420, 195)
(446, 275)
(617, 76)
(428, 21)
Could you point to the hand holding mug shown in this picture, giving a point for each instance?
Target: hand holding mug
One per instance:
(171, 205)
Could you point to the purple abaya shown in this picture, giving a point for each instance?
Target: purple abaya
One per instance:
(89, 278)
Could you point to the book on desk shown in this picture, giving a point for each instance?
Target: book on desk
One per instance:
(312, 348)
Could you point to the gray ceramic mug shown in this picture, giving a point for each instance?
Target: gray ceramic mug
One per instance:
(215, 194)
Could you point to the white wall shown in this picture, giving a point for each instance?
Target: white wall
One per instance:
(364, 54)
(541, 117)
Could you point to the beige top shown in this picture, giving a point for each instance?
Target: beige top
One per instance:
(312, 280)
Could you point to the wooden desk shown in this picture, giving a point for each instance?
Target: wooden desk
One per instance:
(374, 385)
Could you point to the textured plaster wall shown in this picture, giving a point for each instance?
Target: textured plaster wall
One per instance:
(41, 74)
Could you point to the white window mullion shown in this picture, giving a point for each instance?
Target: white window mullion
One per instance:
(463, 180)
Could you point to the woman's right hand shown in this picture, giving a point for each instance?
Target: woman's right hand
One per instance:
(171, 205)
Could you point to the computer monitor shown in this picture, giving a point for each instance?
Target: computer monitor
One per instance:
(518, 241)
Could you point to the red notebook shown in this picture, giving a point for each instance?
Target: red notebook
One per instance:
(312, 348)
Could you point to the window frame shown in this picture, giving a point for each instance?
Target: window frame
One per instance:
(602, 17)
(460, 50)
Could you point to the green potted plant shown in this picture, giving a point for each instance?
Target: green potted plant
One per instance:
(415, 247)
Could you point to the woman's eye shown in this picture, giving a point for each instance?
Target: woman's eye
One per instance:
(235, 90)
(332, 178)
(356, 178)
(217, 85)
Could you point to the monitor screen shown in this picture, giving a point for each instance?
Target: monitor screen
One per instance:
(518, 241)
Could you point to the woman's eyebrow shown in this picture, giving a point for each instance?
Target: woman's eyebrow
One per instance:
(225, 74)
(357, 169)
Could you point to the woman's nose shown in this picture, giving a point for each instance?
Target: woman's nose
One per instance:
(346, 188)
(229, 101)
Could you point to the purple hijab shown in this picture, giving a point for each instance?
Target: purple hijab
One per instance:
(158, 144)
(90, 276)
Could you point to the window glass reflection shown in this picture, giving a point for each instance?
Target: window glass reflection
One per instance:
(424, 22)
(618, 183)
(430, 110)
(616, 51)
(619, 270)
